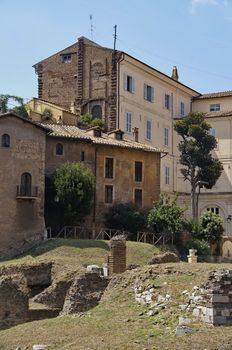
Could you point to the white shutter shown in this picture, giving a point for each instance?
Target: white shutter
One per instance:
(145, 91)
(152, 94)
(125, 81)
(133, 84)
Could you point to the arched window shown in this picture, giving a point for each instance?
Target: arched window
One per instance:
(5, 140)
(59, 149)
(96, 111)
(25, 189)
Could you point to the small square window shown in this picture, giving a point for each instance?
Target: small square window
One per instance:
(67, 58)
(182, 111)
(214, 107)
(82, 156)
(129, 84)
(128, 122)
(166, 175)
(59, 149)
(166, 136)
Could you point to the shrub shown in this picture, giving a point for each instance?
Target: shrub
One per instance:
(126, 216)
(201, 246)
(211, 227)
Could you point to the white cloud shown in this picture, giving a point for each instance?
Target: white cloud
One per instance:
(197, 3)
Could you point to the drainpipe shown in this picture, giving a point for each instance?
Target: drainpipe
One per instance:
(118, 92)
(95, 194)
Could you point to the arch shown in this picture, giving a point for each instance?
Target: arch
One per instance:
(96, 111)
(5, 140)
(59, 149)
(26, 181)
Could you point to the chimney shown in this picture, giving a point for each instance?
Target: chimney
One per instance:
(136, 134)
(175, 75)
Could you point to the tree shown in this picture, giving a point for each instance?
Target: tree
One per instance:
(200, 168)
(165, 216)
(211, 227)
(20, 109)
(126, 216)
(87, 121)
(74, 184)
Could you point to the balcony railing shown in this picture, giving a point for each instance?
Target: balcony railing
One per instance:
(27, 192)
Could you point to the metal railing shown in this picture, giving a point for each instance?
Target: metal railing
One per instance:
(23, 191)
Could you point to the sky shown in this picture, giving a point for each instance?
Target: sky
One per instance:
(194, 35)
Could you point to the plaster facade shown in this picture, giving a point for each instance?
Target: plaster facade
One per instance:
(21, 211)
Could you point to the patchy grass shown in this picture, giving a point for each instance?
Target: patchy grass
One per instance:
(118, 322)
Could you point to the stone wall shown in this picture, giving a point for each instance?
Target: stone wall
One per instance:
(13, 301)
(21, 217)
(212, 301)
(84, 293)
(117, 257)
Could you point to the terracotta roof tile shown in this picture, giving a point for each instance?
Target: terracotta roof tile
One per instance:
(214, 95)
(73, 132)
(218, 114)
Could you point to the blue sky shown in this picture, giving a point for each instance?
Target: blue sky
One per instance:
(195, 35)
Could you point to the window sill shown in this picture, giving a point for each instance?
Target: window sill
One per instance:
(26, 198)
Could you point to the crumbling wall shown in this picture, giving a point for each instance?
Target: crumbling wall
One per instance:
(84, 293)
(212, 301)
(13, 301)
(117, 258)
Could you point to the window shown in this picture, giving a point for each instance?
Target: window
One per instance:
(166, 136)
(67, 58)
(25, 188)
(138, 197)
(59, 149)
(82, 156)
(129, 83)
(96, 111)
(138, 171)
(167, 100)
(182, 111)
(109, 168)
(148, 129)
(212, 132)
(148, 93)
(128, 121)
(166, 175)
(5, 140)
(214, 210)
(214, 107)
(108, 194)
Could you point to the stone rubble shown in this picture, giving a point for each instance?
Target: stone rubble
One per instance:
(212, 301)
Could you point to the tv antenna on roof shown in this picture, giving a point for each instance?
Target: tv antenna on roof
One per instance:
(91, 25)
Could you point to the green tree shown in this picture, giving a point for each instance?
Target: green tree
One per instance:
(126, 216)
(166, 216)
(200, 168)
(20, 109)
(87, 121)
(211, 227)
(74, 184)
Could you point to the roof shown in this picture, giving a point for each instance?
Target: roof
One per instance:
(53, 105)
(163, 74)
(25, 120)
(218, 114)
(214, 95)
(74, 133)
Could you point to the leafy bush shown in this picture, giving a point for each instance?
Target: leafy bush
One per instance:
(201, 246)
(74, 184)
(126, 216)
(166, 216)
(211, 227)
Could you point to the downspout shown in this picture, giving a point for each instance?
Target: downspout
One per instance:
(94, 195)
(118, 92)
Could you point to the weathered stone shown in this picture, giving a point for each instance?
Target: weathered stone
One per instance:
(164, 258)
(184, 321)
(84, 293)
(183, 330)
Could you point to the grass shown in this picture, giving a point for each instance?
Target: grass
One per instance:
(118, 322)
